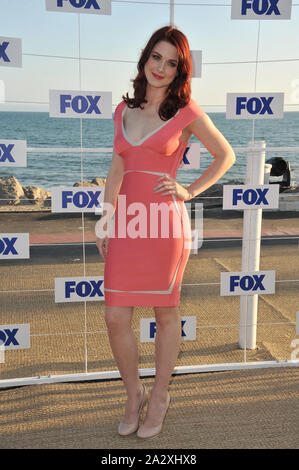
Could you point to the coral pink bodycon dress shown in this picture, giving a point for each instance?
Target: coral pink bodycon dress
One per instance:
(149, 248)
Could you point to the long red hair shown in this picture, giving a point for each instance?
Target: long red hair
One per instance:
(179, 91)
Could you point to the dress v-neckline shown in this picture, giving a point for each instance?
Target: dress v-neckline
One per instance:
(147, 136)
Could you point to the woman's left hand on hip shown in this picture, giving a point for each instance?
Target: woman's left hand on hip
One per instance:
(170, 186)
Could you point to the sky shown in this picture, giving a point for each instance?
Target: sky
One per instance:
(119, 38)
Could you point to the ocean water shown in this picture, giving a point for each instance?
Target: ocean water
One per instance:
(54, 169)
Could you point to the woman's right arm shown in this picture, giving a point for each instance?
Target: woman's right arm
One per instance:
(112, 187)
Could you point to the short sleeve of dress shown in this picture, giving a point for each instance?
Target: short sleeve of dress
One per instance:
(118, 141)
(116, 111)
(194, 110)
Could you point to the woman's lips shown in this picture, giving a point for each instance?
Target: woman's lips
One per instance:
(157, 76)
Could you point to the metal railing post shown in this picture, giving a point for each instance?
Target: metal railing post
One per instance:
(171, 6)
(252, 222)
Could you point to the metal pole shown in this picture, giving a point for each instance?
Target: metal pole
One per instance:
(252, 222)
(171, 5)
(115, 374)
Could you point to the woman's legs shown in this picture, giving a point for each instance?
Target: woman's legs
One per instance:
(167, 346)
(125, 351)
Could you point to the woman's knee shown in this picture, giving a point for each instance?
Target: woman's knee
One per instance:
(118, 317)
(167, 315)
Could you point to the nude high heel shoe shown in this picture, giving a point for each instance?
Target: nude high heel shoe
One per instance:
(125, 429)
(150, 433)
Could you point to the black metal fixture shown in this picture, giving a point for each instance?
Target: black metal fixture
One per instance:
(280, 167)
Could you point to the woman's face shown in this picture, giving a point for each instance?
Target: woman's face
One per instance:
(161, 66)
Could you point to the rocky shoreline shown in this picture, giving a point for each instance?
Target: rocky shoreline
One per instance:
(15, 197)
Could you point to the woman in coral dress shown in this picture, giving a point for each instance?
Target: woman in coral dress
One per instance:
(149, 237)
